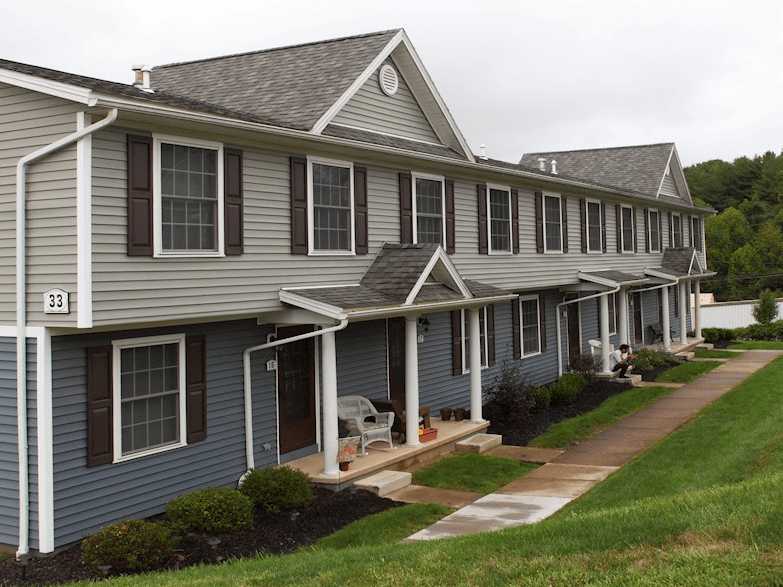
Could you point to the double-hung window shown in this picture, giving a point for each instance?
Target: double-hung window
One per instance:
(331, 202)
(149, 395)
(530, 325)
(187, 197)
(499, 219)
(553, 224)
(429, 205)
(677, 230)
(466, 339)
(653, 231)
(696, 241)
(594, 227)
(627, 228)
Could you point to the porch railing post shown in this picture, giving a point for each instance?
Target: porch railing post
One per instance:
(604, 322)
(475, 365)
(411, 381)
(697, 308)
(684, 304)
(622, 310)
(329, 398)
(666, 324)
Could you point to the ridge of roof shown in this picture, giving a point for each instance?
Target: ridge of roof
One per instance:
(589, 149)
(280, 48)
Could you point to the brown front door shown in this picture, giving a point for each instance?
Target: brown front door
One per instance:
(296, 390)
(574, 337)
(395, 347)
(636, 311)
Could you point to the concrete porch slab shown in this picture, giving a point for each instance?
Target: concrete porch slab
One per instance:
(421, 494)
(479, 443)
(385, 482)
(526, 454)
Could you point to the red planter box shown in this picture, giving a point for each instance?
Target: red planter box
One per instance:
(428, 434)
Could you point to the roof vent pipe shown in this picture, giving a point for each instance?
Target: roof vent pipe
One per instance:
(554, 166)
(482, 152)
(542, 163)
(141, 78)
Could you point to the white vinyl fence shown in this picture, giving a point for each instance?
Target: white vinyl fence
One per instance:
(731, 314)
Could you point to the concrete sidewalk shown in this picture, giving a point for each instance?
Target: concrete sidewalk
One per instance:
(544, 491)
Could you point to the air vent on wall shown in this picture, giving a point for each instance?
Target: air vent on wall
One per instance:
(388, 80)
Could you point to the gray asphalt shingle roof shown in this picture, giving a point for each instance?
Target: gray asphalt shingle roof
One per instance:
(616, 276)
(366, 136)
(639, 168)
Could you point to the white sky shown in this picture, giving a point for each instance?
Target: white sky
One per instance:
(517, 76)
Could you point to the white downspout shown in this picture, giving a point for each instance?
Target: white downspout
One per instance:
(559, 328)
(248, 383)
(21, 316)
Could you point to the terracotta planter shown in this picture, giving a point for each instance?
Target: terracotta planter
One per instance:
(459, 414)
(445, 414)
(428, 435)
(345, 465)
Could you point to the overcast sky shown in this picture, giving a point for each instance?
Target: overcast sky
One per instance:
(517, 76)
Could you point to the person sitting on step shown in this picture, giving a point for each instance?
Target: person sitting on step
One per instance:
(621, 359)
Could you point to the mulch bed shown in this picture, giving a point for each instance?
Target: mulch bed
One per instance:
(593, 395)
(652, 374)
(272, 534)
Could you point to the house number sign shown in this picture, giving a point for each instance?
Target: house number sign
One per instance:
(55, 301)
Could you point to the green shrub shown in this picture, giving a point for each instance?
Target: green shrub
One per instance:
(132, 545)
(542, 397)
(217, 510)
(719, 336)
(773, 331)
(766, 309)
(566, 389)
(277, 489)
(585, 365)
(508, 400)
(650, 359)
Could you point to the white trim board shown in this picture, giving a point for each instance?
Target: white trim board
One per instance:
(45, 86)
(665, 170)
(439, 255)
(83, 224)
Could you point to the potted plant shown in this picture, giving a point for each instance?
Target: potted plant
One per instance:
(347, 450)
(445, 414)
(459, 414)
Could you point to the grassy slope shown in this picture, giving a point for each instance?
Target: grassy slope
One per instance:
(761, 345)
(471, 472)
(703, 507)
(716, 354)
(563, 433)
(687, 372)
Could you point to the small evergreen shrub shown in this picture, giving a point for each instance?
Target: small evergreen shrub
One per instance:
(542, 397)
(772, 331)
(216, 510)
(566, 389)
(508, 400)
(650, 359)
(278, 488)
(766, 309)
(132, 545)
(719, 336)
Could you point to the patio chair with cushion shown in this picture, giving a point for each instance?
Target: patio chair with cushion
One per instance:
(363, 420)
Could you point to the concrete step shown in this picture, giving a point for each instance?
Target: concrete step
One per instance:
(687, 355)
(385, 482)
(479, 443)
(707, 346)
(635, 379)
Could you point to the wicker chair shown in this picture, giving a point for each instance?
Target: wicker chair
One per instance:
(363, 420)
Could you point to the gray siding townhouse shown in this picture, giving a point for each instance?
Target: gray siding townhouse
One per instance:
(198, 265)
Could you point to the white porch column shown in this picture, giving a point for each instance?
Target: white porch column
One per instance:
(329, 399)
(604, 320)
(697, 308)
(411, 381)
(666, 325)
(475, 365)
(622, 310)
(684, 303)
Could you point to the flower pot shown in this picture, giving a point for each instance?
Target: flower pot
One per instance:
(345, 465)
(445, 414)
(428, 434)
(459, 414)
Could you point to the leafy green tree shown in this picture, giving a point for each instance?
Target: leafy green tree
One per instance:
(743, 264)
(766, 309)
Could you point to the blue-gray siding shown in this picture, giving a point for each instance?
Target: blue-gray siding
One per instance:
(361, 360)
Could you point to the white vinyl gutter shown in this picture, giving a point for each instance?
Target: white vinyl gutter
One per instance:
(21, 316)
(248, 383)
(559, 328)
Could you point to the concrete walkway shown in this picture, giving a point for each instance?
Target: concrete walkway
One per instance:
(544, 491)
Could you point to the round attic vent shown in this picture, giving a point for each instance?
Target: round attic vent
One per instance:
(388, 80)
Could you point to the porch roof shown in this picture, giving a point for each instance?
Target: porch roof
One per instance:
(679, 263)
(612, 278)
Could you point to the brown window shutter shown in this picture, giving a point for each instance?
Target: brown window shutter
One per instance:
(232, 196)
(196, 386)
(490, 335)
(603, 225)
(542, 320)
(456, 342)
(647, 243)
(450, 241)
(481, 195)
(299, 231)
(516, 341)
(583, 223)
(406, 209)
(515, 220)
(635, 232)
(564, 216)
(618, 224)
(360, 209)
(139, 163)
(100, 446)
(539, 206)
(671, 231)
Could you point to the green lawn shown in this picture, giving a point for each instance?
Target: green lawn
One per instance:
(702, 507)
(386, 527)
(567, 432)
(687, 372)
(716, 354)
(758, 345)
(471, 472)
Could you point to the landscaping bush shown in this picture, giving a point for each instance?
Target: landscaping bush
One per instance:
(508, 400)
(132, 545)
(650, 360)
(766, 309)
(277, 489)
(542, 397)
(585, 365)
(218, 510)
(773, 331)
(566, 389)
(719, 336)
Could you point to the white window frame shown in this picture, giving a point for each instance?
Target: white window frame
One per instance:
(622, 230)
(311, 250)
(415, 221)
(117, 347)
(490, 250)
(601, 227)
(559, 197)
(658, 223)
(695, 219)
(537, 298)
(463, 338)
(613, 314)
(157, 196)
(674, 234)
